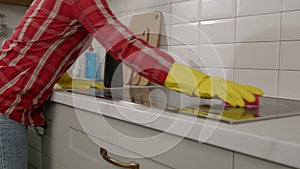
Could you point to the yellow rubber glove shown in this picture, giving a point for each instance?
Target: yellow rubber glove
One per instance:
(67, 82)
(187, 80)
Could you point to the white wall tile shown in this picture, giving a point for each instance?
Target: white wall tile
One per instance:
(184, 34)
(289, 55)
(174, 1)
(266, 80)
(184, 12)
(289, 82)
(152, 3)
(218, 72)
(215, 9)
(137, 11)
(258, 28)
(290, 5)
(253, 7)
(217, 55)
(186, 54)
(118, 6)
(261, 55)
(124, 18)
(217, 31)
(290, 26)
(136, 4)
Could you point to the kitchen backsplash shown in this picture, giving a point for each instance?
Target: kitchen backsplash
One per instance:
(255, 42)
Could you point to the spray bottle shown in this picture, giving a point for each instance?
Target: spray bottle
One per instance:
(91, 63)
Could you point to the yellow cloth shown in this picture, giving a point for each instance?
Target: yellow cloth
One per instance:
(67, 82)
(187, 80)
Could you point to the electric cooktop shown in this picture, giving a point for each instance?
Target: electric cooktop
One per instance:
(162, 98)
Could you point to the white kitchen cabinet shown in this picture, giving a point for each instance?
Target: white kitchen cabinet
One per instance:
(73, 148)
(242, 161)
(67, 145)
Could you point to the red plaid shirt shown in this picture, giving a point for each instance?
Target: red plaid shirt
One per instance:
(49, 39)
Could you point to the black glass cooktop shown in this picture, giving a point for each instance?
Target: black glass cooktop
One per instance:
(162, 98)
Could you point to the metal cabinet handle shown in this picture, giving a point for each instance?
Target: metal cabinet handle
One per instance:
(131, 165)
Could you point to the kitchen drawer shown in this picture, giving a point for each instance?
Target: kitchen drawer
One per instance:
(83, 152)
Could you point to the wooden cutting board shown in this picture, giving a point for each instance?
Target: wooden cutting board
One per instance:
(147, 27)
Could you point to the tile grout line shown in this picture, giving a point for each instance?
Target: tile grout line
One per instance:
(235, 42)
(279, 58)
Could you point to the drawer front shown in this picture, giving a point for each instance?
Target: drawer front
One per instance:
(83, 152)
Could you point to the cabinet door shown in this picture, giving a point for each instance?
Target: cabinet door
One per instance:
(74, 149)
(242, 161)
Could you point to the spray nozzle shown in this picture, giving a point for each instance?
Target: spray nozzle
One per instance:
(91, 48)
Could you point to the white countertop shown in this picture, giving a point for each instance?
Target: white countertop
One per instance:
(276, 140)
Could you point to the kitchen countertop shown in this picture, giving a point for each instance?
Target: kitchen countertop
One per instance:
(277, 140)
